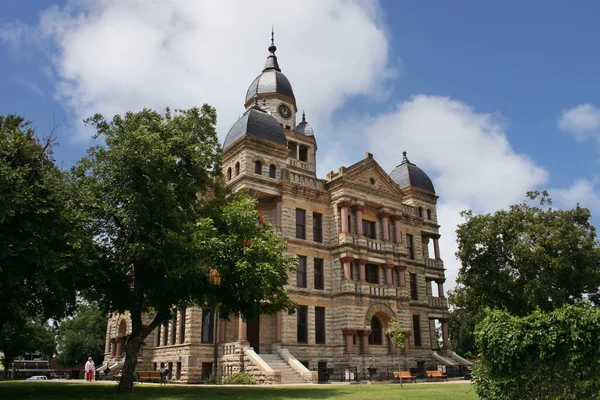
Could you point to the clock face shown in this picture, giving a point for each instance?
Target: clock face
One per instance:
(284, 111)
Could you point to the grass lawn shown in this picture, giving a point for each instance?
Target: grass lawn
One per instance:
(71, 391)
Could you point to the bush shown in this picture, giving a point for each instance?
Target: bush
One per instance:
(212, 380)
(239, 378)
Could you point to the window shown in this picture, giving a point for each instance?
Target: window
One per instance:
(258, 167)
(417, 329)
(319, 274)
(376, 336)
(300, 223)
(410, 246)
(182, 326)
(206, 370)
(318, 227)
(303, 153)
(369, 229)
(372, 273)
(428, 214)
(272, 171)
(207, 325)
(174, 328)
(237, 168)
(229, 173)
(292, 148)
(421, 212)
(414, 289)
(320, 325)
(302, 324)
(165, 332)
(349, 224)
(301, 272)
(157, 341)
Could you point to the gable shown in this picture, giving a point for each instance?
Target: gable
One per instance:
(367, 175)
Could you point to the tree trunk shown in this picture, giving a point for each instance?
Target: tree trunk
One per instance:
(399, 366)
(132, 349)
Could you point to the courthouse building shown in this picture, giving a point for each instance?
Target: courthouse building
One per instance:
(367, 247)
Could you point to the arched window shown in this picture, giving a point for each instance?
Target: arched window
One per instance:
(272, 171)
(258, 167)
(376, 336)
(237, 168)
(229, 173)
(421, 212)
(428, 214)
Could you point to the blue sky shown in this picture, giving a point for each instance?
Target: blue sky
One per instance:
(491, 99)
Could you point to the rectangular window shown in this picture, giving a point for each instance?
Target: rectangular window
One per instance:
(174, 328)
(318, 227)
(165, 332)
(207, 325)
(410, 246)
(369, 229)
(303, 153)
(349, 224)
(157, 341)
(292, 148)
(372, 273)
(319, 281)
(182, 326)
(320, 325)
(302, 324)
(300, 223)
(417, 329)
(301, 272)
(414, 289)
(206, 370)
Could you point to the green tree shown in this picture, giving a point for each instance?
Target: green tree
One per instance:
(520, 259)
(81, 337)
(544, 355)
(397, 336)
(169, 234)
(44, 249)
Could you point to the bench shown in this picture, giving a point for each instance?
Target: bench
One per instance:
(149, 376)
(437, 375)
(400, 375)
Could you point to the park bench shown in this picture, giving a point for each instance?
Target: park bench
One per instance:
(436, 375)
(401, 375)
(149, 376)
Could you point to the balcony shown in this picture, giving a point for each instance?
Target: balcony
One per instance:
(435, 264)
(438, 302)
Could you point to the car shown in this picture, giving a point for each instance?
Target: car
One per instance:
(37, 378)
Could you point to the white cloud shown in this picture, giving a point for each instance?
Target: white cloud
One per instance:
(114, 56)
(582, 121)
(583, 191)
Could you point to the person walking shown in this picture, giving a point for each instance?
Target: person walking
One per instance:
(89, 369)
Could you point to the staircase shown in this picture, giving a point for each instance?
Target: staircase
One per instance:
(288, 375)
(114, 369)
(450, 358)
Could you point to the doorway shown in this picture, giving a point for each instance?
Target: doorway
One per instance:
(322, 371)
(253, 334)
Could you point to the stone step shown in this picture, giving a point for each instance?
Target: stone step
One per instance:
(288, 374)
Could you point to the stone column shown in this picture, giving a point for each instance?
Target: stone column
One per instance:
(349, 336)
(444, 335)
(361, 270)
(358, 209)
(119, 351)
(388, 274)
(440, 283)
(278, 327)
(278, 212)
(343, 206)
(365, 341)
(113, 347)
(401, 270)
(407, 336)
(436, 247)
(347, 268)
(242, 330)
(397, 231)
(385, 218)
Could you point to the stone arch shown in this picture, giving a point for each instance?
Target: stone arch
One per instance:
(122, 328)
(382, 311)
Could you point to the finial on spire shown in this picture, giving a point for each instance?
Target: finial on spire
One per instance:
(256, 100)
(303, 117)
(404, 158)
(272, 47)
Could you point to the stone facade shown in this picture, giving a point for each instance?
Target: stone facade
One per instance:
(355, 276)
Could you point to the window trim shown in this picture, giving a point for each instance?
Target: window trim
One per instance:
(301, 272)
(302, 328)
(317, 227)
(319, 283)
(302, 225)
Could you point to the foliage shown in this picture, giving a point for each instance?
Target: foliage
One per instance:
(81, 337)
(168, 233)
(397, 336)
(44, 249)
(26, 335)
(519, 259)
(212, 380)
(545, 355)
(239, 378)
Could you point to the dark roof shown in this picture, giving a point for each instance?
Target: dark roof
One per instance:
(270, 81)
(304, 127)
(408, 174)
(257, 123)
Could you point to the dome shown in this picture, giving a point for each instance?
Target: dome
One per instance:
(271, 80)
(257, 123)
(304, 127)
(408, 174)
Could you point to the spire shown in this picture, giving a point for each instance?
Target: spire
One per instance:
(404, 158)
(303, 118)
(272, 58)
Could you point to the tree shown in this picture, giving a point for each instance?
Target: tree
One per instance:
(521, 259)
(168, 232)
(44, 249)
(81, 337)
(544, 355)
(397, 336)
